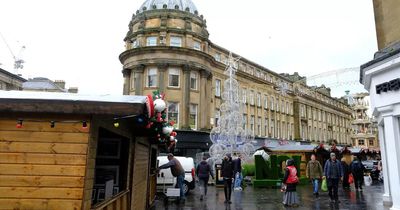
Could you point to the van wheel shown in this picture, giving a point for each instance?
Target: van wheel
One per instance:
(186, 187)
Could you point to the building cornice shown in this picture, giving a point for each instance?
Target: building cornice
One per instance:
(14, 76)
(219, 48)
(167, 49)
(203, 37)
(306, 99)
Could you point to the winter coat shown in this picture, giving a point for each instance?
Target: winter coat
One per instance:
(290, 187)
(314, 170)
(237, 166)
(227, 168)
(328, 168)
(176, 167)
(357, 168)
(203, 170)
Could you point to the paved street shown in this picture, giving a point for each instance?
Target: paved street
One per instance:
(259, 199)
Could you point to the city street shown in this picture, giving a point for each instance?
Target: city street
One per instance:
(256, 198)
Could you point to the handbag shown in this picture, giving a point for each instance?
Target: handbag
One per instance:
(324, 185)
(283, 188)
(351, 179)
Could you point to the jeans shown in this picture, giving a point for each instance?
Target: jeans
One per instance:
(203, 186)
(315, 183)
(179, 182)
(333, 188)
(228, 188)
(238, 180)
(358, 181)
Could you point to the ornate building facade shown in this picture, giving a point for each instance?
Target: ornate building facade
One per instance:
(365, 129)
(168, 48)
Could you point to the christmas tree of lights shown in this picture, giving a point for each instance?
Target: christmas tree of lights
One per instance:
(229, 136)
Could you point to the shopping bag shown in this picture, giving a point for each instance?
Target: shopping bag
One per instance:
(367, 180)
(351, 179)
(324, 185)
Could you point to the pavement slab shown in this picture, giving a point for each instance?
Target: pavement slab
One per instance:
(267, 198)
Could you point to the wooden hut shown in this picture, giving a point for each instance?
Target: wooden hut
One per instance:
(304, 151)
(68, 151)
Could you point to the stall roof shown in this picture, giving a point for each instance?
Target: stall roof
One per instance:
(294, 148)
(355, 150)
(49, 102)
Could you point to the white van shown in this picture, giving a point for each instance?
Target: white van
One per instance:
(165, 178)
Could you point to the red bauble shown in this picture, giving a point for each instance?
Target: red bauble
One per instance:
(148, 126)
(159, 119)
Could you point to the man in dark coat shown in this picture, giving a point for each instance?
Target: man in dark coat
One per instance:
(357, 169)
(203, 172)
(227, 174)
(333, 172)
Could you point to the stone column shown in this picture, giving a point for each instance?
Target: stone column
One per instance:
(387, 200)
(204, 108)
(163, 78)
(127, 75)
(186, 96)
(139, 76)
(393, 158)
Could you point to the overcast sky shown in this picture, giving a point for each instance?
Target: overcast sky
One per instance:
(79, 41)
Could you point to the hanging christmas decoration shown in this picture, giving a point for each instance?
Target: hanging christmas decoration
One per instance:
(157, 120)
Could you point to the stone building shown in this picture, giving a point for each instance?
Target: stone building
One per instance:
(364, 128)
(9, 81)
(47, 85)
(381, 77)
(168, 48)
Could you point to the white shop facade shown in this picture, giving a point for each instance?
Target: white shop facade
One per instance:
(381, 77)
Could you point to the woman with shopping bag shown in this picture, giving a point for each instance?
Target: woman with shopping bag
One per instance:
(290, 182)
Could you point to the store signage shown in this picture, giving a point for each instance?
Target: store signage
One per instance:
(392, 85)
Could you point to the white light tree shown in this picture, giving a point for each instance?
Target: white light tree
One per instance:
(229, 135)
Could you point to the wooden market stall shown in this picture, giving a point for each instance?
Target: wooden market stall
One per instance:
(70, 151)
(304, 151)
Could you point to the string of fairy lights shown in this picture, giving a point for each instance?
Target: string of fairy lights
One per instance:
(52, 123)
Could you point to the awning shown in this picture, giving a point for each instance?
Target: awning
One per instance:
(193, 140)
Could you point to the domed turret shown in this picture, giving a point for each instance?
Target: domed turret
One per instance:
(183, 5)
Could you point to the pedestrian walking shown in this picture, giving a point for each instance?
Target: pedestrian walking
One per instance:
(290, 181)
(227, 174)
(237, 171)
(346, 174)
(314, 173)
(176, 171)
(203, 172)
(357, 169)
(333, 172)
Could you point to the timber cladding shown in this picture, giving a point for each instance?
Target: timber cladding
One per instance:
(42, 167)
(140, 177)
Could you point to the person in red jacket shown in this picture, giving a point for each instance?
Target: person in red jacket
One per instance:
(290, 182)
